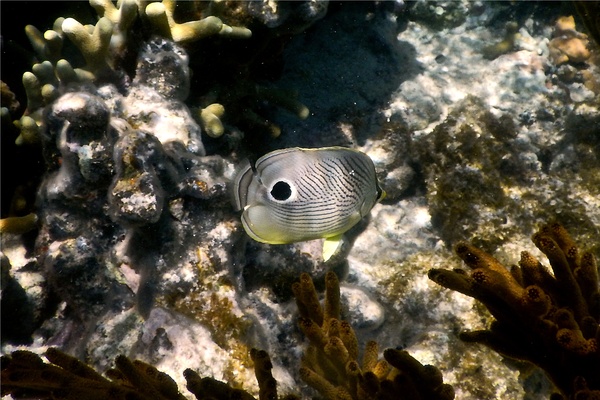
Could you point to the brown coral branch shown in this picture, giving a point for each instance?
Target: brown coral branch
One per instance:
(551, 320)
(330, 365)
(307, 299)
(534, 273)
(209, 388)
(262, 369)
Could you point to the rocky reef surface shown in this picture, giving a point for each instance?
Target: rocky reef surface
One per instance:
(482, 119)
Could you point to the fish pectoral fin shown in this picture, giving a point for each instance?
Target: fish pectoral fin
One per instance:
(331, 246)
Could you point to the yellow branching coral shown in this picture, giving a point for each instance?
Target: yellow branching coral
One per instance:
(330, 363)
(47, 46)
(210, 116)
(18, 225)
(93, 42)
(549, 319)
(239, 104)
(122, 17)
(161, 16)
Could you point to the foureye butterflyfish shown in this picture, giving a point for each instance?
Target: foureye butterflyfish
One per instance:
(296, 194)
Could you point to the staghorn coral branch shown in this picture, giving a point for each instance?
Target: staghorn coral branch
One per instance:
(94, 45)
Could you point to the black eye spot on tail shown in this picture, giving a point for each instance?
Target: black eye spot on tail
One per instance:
(281, 191)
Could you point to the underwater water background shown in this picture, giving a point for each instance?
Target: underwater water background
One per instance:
(482, 120)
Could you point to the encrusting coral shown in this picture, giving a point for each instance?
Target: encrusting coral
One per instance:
(568, 45)
(330, 363)
(551, 320)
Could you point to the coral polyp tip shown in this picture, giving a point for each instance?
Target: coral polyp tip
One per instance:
(211, 120)
(18, 225)
(544, 318)
(94, 45)
(29, 131)
(161, 17)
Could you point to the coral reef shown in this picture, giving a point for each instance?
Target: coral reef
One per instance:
(122, 33)
(549, 319)
(138, 250)
(505, 45)
(106, 46)
(330, 364)
(25, 374)
(567, 44)
(478, 166)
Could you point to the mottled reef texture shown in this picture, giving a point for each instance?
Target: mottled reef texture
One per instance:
(123, 124)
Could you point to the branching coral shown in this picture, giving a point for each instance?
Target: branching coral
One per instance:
(47, 46)
(93, 43)
(161, 16)
(330, 362)
(26, 375)
(551, 320)
(110, 41)
(207, 387)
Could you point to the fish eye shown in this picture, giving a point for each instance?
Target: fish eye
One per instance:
(281, 191)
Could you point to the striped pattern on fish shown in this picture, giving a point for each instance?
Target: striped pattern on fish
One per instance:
(299, 194)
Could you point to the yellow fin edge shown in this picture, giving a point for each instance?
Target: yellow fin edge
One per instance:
(330, 246)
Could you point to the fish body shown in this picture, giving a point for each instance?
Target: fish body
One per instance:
(297, 194)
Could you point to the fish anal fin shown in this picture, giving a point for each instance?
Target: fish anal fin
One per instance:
(330, 246)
